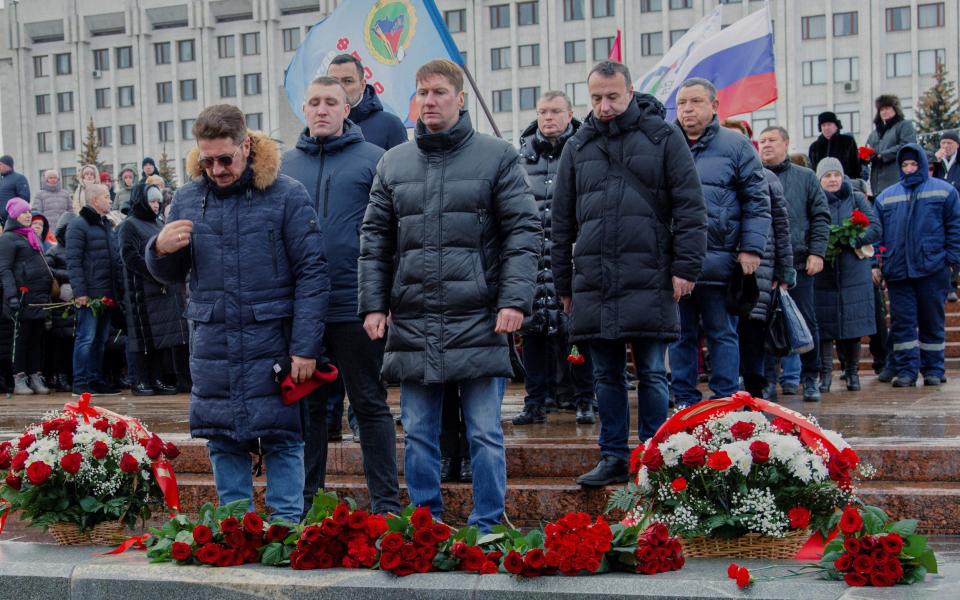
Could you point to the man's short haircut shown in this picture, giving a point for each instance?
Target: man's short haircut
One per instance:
(778, 128)
(345, 59)
(220, 121)
(96, 190)
(611, 68)
(551, 94)
(707, 85)
(445, 68)
(329, 81)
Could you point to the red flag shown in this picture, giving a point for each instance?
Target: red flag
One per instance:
(616, 53)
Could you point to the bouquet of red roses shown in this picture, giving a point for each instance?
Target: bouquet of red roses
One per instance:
(413, 543)
(577, 543)
(345, 539)
(847, 235)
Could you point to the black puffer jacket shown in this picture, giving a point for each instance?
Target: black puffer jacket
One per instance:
(22, 266)
(154, 310)
(93, 257)
(450, 237)
(777, 263)
(809, 215)
(63, 326)
(619, 272)
(539, 158)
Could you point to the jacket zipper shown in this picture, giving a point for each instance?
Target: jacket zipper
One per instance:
(326, 197)
(323, 159)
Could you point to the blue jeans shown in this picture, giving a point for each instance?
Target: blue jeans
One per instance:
(790, 366)
(917, 324)
(88, 349)
(420, 410)
(707, 305)
(232, 472)
(610, 385)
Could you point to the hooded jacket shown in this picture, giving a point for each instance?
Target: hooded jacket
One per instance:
(258, 293)
(920, 217)
(63, 326)
(887, 139)
(379, 127)
(22, 266)
(121, 201)
(93, 257)
(808, 211)
(80, 194)
(52, 201)
(841, 146)
(337, 173)
(140, 187)
(450, 237)
(617, 247)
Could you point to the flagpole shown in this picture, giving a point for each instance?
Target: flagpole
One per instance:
(479, 96)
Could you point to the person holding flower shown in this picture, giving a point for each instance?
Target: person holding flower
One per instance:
(843, 293)
(26, 283)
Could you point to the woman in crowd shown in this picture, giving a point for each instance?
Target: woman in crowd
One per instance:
(89, 175)
(26, 283)
(125, 185)
(52, 200)
(844, 289)
(891, 132)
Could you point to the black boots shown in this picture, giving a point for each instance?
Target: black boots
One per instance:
(608, 471)
(826, 366)
(851, 351)
(529, 415)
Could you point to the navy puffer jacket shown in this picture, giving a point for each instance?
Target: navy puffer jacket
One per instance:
(379, 127)
(337, 173)
(258, 294)
(93, 257)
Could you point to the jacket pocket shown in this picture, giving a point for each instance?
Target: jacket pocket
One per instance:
(199, 312)
(271, 239)
(274, 309)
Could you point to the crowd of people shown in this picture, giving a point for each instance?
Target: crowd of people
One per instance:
(616, 238)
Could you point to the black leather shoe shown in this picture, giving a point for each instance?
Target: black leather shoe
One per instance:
(530, 415)
(903, 382)
(770, 392)
(101, 388)
(608, 471)
(466, 470)
(447, 471)
(810, 391)
(931, 380)
(164, 389)
(789, 389)
(143, 389)
(853, 382)
(826, 381)
(585, 414)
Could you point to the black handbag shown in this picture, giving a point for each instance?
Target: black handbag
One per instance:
(777, 340)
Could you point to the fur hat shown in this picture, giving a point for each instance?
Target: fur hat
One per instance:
(888, 100)
(828, 117)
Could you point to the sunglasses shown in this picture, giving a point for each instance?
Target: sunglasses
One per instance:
(225, 160)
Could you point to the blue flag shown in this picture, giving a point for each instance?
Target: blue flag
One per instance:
(392, 38)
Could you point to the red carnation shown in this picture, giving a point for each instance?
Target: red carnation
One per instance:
(38, 472)
(635, 457)
(118, 430)
(13, 482)
(209, 553)
(760, 452)
(202, 534)
(799, 517)
(850, 521)
(128, 464)
(743, 577)
(230, 524)
(170, 450)
(859, 219)
(100, 450)
(652, 458)
(180, 551)
(252, 523)
(392, 542)
(421, 518)
(678, 485)
(741, 430)
(719, 460)
(732, 570)
(695, 457)
(865, 153)
(65, 439)
(513, 562)
(892, 543)
(389, 561)
(70, 463)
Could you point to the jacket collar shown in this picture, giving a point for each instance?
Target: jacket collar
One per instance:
(533, 145)
(708, 134)
(781, 167)
(369, 104)
(315, 145)
(449, 139)
(264, 161)
(91, 216)
(644, 113)
(842, 194)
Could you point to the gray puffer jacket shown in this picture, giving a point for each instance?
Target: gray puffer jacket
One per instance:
(52, 201)
(450, 237)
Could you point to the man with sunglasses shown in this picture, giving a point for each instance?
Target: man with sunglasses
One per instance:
(248, 239)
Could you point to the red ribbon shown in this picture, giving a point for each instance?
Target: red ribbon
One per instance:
(137, 540)
(163, 472)
(4, 513)
(812, 549)
(82, 408)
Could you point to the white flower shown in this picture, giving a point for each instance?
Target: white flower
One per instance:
(740, 455)
(674, 446)
(643, 481)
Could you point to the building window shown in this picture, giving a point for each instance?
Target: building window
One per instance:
(43, 104)
(502, 101)
(165, 131)
(125, 96)
(500, 16)
(845, 24)
(898, 19)
(529, 55)
(601, 48)
(603, 8)
(254, 121)
(186, 129)
(164, 92)
(40, 66)
(186, 51)
(929, 59)
(68, 174)
(499, 58)
(577, 92)
(528, 13)
(647, 6)
(814, 72)
(64, 64)
(761, 119)
(124, 56)
(898, 64)
(680, 4)
(226, 46)
(128, 135)
(930, 15)
(810, 120)
(65, 102)
(651, 44)
(250, 43)
(575, 51)
(101, 59)
(188, 90)
(161, 53)
(850, 117)
(528, 97)
(572, 10)
(814, 28)
(228, 86)
(291, 39)
(101, 97)
(43, 142)
(846, 69)
(676, 34)
(251, 84)
(456, 20)
(104, 137)
(66, 140)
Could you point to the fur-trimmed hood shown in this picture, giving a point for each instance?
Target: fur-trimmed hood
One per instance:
(264, 160)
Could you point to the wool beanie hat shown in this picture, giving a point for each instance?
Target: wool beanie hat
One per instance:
(828, 164)
(952, 135)
(7, 160)
(909, 154)
(16, 207)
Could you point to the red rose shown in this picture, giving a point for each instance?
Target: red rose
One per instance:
(100, 450)
(421, 518)
(19, 460)
(14, 482)
(759, 452)
(235, 539)
(180, 551)
(209, 553)
(24, 289)
(424, 537)
(880, 579)
(474, 559)
(311, 534)
(782, 425)
(695, 457)
(513, 562)
(341, 514)
(408, 552)
(229, 525)
(859, 219)
(850, 521)
(128, 464)
(863, 564)
(377, 526)
(5, 459)
(679, 484)
(389, 561)
(854, 579)
(719, 460)
(252, 523)
(70, 463)
(494, 556)
(534, 558)
(851, 545)
(392, 542)
(357, 519)
(732, 570)
(276, 533)
(652, 458)
(202, 535)
(850, 457)
(101, 425)
(154, 448)
(404, 569)
(868, 543)
(118, 430)
(892, 543)
(38, 472)
(635, 457)
(25, 441)
(893, 569)
(65, 439)
(741, 430)
(170, 450)
(441, 531)
(743, 577)
(799, 517)
(844, 562)
(489, 568)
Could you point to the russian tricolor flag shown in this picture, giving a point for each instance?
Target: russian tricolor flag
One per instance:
(738, 60)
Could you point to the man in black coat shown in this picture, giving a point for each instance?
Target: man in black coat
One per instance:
(379, 127)
(93, 259)
(337, 167)
(448, 248)
(841, 146)
(629, 238)
(12, 185)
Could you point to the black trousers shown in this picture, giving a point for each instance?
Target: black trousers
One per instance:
(453, 427)
(29, 347)
(147, 365)
(359, 360)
